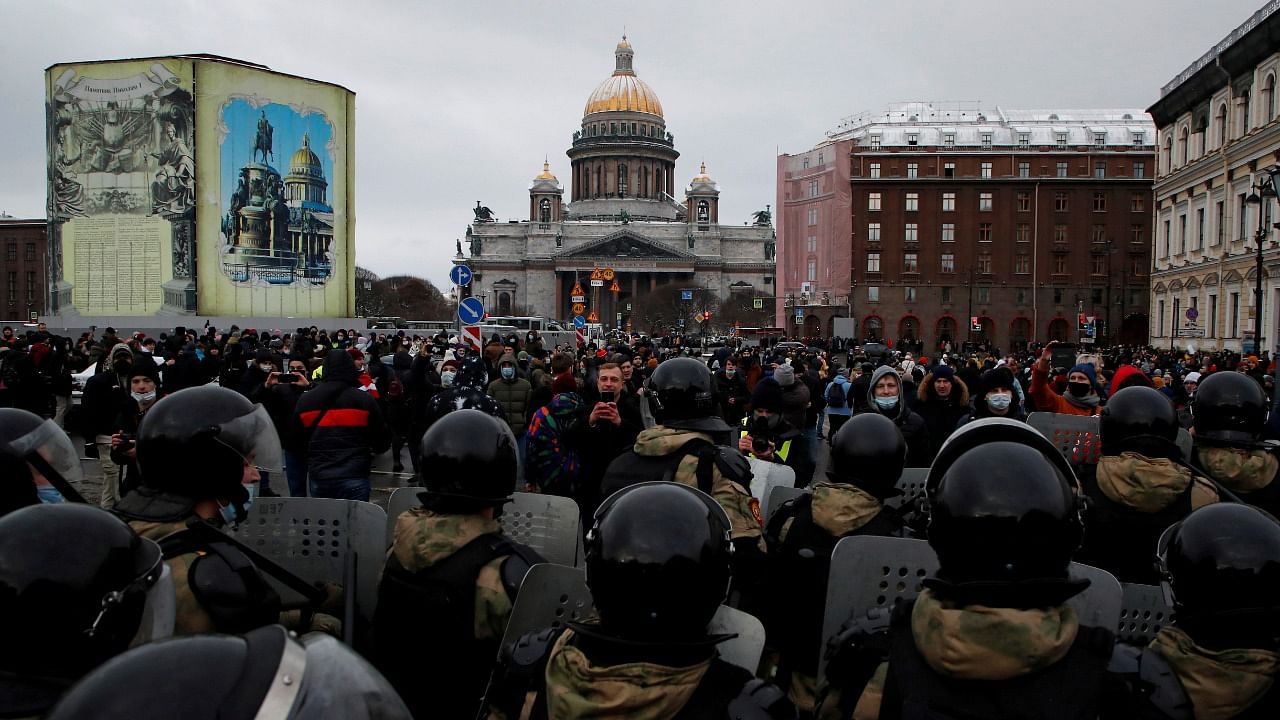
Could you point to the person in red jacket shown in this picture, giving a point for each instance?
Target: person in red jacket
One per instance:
(1081, 398)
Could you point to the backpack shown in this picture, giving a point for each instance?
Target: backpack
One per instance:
(835, 396)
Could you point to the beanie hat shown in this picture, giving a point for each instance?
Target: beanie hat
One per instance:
(564, 383)
(355, 354)
(121, 349)
(1192, 377)
(1087, 369)
(1000, 377)
(145, 367)
(944, 372)
(767, 396)
(450, 363)
(784, 375)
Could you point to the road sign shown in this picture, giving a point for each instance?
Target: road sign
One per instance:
(1192, 313)
(460, 275)
(758, 304)
(579, 308)
(577, 298)
(577, 289)
(471, 311)
(686, 294)
(614, 288)
(582, 337)
(579, 322)
(471, 336)
(597, 283)
(593, 317)
(799, 313)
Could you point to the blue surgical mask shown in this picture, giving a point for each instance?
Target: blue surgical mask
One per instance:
(1000, 401)
(447, 378)
(886, 403)
(730, 372)
(508, 373)
(229, 511)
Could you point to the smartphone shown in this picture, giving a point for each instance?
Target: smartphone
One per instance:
(127, 440)
(608, 397)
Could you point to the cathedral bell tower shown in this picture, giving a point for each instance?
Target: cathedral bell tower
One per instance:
(545, 198)
(702, 198)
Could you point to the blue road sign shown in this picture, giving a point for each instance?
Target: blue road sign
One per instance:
(460, 275)
(686, 294)
(579, 322)
(471, 311)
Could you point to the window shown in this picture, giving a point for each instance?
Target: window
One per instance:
(1022, 265)
(948, 202)
(1100, 169)
(1062, 169)
(1135, 234)
(1024, 140)
(913, 139)
(1024, 202)
(1182, 233)
(984, 295)
(984, 264)
(948, 232)
(13, 285)
(820, 161)
(946, 294)
(911, 233)
(805, 164)
(31, 285)
(1199, 228)
(948, 169)
(1244, 212)
(1269, 98)
(1095, 296)
(875, 142)
(1059, 264)
(813, 188)
(873, 201)
(909, 294)
(1057, 296)
(1139, 139)
(1099, 267)
(1061, 140)
(813, 216)
(1099, 139)
(986, 171)
(1099, 202)
(1137, 202)
(1023, 232)
(1024, 169)
(30, 252)
(1219, 221)
(873, 262)
(984, 232)
(11, 252)
(1160, 315)
(1213, 316)
(1168, 237)
(1020, 296)
(813, 270)
(1139, 169)
(913, 202)
(1060, 234)
(873, 293)
(949, 140)
(873, 232)
(1098, 234)
(1234, 314)
(813, 244)
(1060, 202)
(913, 170)
(948, 262)
(910, 262)
(875, 170)
(986, 141)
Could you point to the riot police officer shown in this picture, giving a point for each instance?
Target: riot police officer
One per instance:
(688, 446)
(451, 577)
(867, 456)
(66, 607)
(1220, 657)
(1140, 485)
(991, 635)
(266, 673)
(658, 566)
(1229, 414)
(198, 451)
(37, 461)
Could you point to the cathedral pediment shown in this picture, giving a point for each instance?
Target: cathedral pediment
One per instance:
(626, 245)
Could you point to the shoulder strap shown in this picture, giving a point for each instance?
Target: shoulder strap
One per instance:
(1165, 692)
(521, 669)
(517, 565)
(705, 451)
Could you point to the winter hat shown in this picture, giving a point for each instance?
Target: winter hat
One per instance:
(1192, 377)
(1087, 369)
(1157, 382)
(1000, 377)
(355, 354)
(121, 349)
(145, 367)
(843, 372)
(944, 372)
(564, 383)
(767, 396)
(784, 375)
(450, 363)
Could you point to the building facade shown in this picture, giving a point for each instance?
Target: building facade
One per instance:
(1218, 138)
(25, 268)
(969, 224)
(661, 261)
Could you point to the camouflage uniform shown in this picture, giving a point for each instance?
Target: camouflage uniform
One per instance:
(1221, 684)
(1250, 474)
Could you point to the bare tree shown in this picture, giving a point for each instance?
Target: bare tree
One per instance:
(412, 298)
(369, 302)
(739, 309)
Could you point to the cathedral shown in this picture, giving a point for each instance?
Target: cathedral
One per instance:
(623, 240)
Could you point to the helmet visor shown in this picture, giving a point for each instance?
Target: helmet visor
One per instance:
(52, 444)
(254, 437)
(160, 611)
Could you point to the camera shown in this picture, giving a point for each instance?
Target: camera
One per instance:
(760, 432)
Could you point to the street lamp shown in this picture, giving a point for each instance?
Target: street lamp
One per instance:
(1264, 189)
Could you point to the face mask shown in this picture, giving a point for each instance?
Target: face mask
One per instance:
(265, 367)
(146, 350)
(143, 398)
(228, 512)
(999, 401)
(886, 403)
(1078, 389)
(447, 378)
(730, 372)
(508, 373)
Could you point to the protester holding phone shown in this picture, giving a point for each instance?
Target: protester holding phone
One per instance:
(609, 428)
(279, 394)
(144, 392)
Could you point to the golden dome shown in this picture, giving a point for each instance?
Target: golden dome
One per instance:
(702, 175)
(623, 91)
(546, 172)
(303, 155)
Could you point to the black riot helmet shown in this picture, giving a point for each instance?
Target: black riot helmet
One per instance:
(1222, 567)
(194, 444)
(74, 583)
(264, 673)
(1230, 409)
(468, 462)
(658, 562)
(681, 394)
(869, 452)
(1004, 516)
(1142, 420)
(29, 442)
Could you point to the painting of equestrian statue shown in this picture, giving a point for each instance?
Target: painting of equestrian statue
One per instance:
(277, 220)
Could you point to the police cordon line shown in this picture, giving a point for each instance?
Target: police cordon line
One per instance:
(1109, 554)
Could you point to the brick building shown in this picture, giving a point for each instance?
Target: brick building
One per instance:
(24, 269)
(1020, 219)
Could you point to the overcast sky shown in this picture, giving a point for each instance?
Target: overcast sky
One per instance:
(460, 101)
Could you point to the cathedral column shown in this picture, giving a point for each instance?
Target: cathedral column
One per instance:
(559, 306)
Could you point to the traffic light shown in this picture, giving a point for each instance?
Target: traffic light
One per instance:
(1083, 322)
(974, 324)
(706, 315)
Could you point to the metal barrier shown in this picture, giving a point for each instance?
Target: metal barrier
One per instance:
(765, 476)
(1075, 436)
(912, 486)
(1143, 613)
